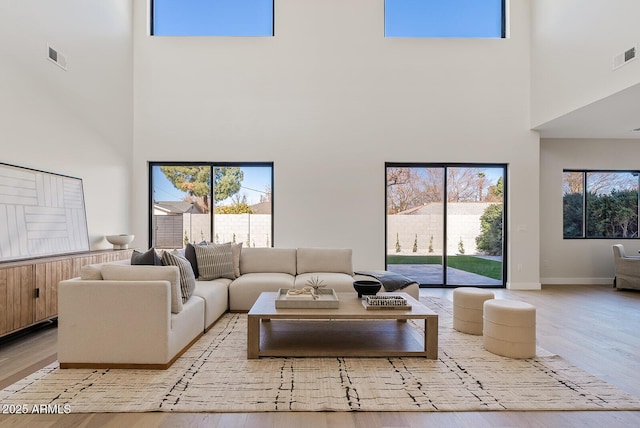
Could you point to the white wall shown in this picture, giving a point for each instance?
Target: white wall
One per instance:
(573, 45)
(76, 122)
(578, 261)
(329, 100)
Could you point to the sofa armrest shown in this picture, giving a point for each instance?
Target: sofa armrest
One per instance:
(627, 266)
(113, 321)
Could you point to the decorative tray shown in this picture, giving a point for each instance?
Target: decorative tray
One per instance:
(385, 302)
(327, 299)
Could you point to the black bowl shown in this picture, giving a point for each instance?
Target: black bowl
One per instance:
(366, 287)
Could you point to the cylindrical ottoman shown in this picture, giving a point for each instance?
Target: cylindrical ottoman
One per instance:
(510, 328)
(467, 309)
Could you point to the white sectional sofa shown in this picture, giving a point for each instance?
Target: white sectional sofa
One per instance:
(268, 269)
(123, 316)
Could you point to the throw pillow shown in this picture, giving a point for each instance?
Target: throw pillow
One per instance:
(91, 272)
(215, 261)
(150, 257)
(190, 254)
(179, 252)
(236, 249)
(187, 279)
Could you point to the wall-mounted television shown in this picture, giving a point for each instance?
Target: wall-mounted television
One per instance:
(41, 214)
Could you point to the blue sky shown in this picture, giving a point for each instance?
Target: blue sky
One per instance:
(403, 18)
(213, 17)
(443, 18)
(256, 180)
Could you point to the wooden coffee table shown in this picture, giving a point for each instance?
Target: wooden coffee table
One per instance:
(348, 331)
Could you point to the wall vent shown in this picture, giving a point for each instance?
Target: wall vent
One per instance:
(57, 58)
(624, 57)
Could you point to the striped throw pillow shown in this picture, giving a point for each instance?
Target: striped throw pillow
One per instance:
(215, 261)
(187, 278)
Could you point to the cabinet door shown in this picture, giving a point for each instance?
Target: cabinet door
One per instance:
(48, 275)
(16, 298)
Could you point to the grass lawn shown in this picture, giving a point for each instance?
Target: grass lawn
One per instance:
(477, 265)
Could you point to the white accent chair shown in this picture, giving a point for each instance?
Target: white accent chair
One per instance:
(627, 269)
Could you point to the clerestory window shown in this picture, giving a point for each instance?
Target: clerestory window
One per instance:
(212, 18)
(445, 18)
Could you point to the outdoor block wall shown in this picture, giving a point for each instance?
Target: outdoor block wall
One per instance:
(253, 230)
(425, 226)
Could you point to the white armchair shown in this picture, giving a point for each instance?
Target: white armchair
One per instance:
(627, 269)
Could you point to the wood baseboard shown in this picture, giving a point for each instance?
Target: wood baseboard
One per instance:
(160, 366)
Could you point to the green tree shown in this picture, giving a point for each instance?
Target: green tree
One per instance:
(398, 248)
(490, 239)
(572, 208)
(228, 181)
(613, 215)
(196, 182)
(495, 193)
(236, 208)
(415, 244)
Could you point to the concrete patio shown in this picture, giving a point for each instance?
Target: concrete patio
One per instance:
(431, 274)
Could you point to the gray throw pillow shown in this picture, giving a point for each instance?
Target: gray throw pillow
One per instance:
(187, 279)
(215, 261)
(149, 257)
(190, 254)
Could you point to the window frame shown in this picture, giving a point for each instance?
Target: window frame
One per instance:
(445, 231)
(585, 202)
(152, 164)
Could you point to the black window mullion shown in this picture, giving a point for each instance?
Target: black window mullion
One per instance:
(445, 224)
(584, 204)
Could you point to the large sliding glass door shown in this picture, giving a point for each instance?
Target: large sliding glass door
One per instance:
(445, 223)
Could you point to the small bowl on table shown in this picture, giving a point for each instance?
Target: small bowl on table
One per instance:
(366, 287)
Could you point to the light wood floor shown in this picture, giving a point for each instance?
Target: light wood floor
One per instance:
(594, 327)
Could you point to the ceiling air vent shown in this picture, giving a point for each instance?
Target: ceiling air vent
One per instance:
(624, 57)
(57, 58)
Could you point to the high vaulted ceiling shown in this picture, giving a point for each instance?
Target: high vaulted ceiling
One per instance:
(613, 117)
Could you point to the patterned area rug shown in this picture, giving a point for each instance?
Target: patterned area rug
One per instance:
(215, 376)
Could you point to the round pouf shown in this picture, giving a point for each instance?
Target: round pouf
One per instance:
(510, 328)
(467, 309)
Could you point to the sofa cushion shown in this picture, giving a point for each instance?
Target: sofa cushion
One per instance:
(244, 291)
(149, 257)
(270, 260)
(118, 272)
(187, 278)
(324, 260)
(341, 282)
(215, 261)
(91, 272)
(215, 294)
